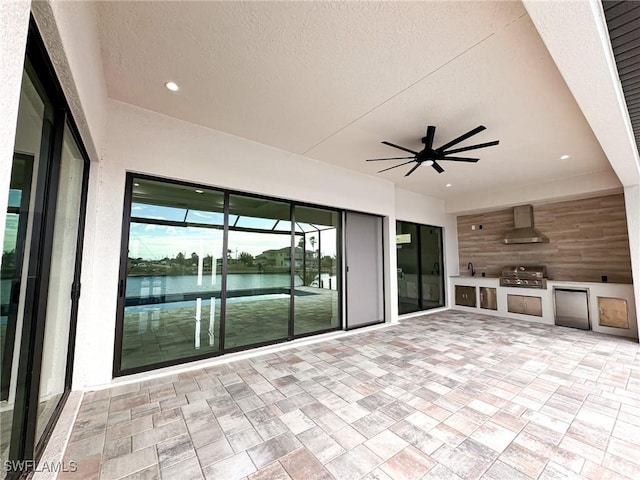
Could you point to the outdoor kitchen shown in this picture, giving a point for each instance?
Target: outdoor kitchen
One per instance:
(565, 263)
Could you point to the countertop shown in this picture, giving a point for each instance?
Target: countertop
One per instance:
(549, 280)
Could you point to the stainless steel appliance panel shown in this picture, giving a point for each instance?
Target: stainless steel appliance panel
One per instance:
(465, 296)
(488, 298)
(524, 304)
(529, 276)
(572, 308)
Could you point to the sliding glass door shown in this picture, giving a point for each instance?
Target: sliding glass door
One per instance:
(207, 271)
(316, 300)
(22, 227)
(407, 246)
(258, 272)
(64, 283)
(420, 268)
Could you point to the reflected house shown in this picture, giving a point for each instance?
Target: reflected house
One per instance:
(282, 257)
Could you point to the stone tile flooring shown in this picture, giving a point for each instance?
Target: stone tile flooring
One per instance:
(446, 396)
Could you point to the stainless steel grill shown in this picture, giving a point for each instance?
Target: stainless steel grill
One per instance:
(529, 276)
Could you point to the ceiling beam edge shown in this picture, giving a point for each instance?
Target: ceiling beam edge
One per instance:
(576, 35)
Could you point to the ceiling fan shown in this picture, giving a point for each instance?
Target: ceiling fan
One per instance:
(430, 156)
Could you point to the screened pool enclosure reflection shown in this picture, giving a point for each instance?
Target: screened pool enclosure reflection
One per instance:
(209, 271)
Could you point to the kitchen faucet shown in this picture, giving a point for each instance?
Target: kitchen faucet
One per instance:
(470, 267)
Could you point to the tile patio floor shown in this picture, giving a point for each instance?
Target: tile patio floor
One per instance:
(446, 396)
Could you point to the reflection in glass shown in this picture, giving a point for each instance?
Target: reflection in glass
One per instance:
(258, 272)
(407, 248)
(176, 253)
(173, 284)
(63, 261)
(420, 267)
(316, 299)
(432, 274)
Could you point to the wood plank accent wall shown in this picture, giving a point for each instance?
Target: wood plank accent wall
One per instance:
(587, 239)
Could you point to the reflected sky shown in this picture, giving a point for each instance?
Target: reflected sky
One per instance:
(10, 233)
(155, 242)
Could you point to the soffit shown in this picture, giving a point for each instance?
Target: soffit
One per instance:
(330, 80)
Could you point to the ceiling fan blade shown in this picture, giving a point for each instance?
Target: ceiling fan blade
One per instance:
(460, 159)
(437, 167)
(428, 140)
(413, 169)
(470, 133)
(396, 166)
(398, 146)
(473, 147)
(391, 158)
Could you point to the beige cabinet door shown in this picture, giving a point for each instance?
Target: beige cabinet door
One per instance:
(613, 312)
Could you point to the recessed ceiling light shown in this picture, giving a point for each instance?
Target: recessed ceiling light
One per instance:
(448, 185)
(564, 157)
(136, 184)
(172, 86)
(199, 191)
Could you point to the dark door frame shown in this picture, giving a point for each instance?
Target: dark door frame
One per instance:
(418, 226)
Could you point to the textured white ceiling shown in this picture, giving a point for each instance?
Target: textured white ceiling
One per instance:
(330, 80)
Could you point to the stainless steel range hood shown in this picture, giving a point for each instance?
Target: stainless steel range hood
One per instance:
(524, 231)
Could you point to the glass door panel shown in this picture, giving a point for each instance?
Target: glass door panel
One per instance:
(408, 277)
(316, 270)
(432, 271)
(258, 272)
(61, 281)
(34, 126)
(12, 260)
(173, 274)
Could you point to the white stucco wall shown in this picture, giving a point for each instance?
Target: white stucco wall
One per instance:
(146, 142)
(413, 207)
(70, 34)
(14, 18)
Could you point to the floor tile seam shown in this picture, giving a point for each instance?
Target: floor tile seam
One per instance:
(156, 463)
(202, 467)
(606, 450)
(175, 463)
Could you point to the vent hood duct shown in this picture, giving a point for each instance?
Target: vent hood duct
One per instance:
(524, 231)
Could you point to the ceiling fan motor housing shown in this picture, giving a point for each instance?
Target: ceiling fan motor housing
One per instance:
(429, 155)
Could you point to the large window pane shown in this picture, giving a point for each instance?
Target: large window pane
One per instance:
(258, 272)
(173, 273)
(316, 303)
